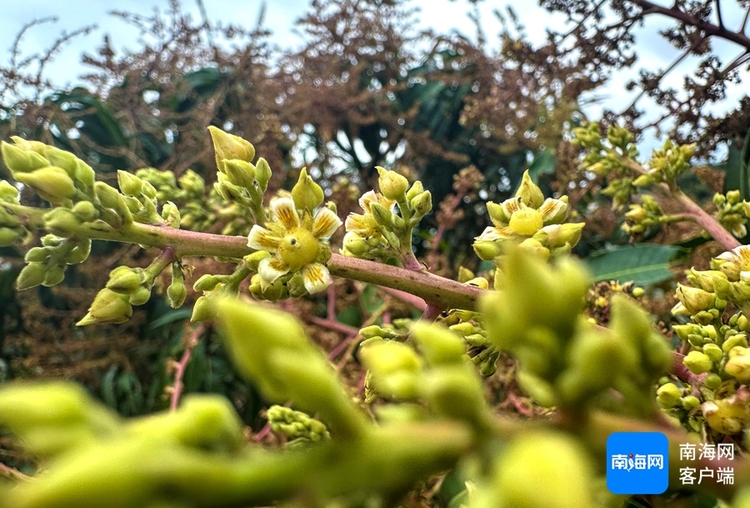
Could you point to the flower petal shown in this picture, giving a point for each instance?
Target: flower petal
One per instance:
(316, 277)
(364, 225)
(554, 211)
(325, 223)
(367, 198)
(512, 205)
(271, 269)
(491, 234)
(286, 213)
(260, 238)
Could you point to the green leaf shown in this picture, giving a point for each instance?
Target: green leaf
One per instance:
(737, 168)
(643, 264)
(543, 164)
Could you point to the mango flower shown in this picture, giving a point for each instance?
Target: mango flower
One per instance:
(295, 244)
(365, 224)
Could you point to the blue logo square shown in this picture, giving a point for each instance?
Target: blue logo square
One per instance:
(637, 463)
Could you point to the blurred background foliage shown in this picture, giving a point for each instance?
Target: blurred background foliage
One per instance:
(365, 89)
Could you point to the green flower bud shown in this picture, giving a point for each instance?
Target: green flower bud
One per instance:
(558, 459)
(129, 184)
(176, 292)
(86, 211)
(713, 351)
(229, 146)
(354, 244)
(382, 215)
(62, 222)
(8, 192)
(712, 381)
(392, 185)
(529, 192)
(737, 340)
(456, 392)
(54, 276)
(738, 365)
(668, 395)
(31, 276)
(733, 197)
(239, 172)
(139, 296)
(262, 173)
(108, 307)
(690, 402)
(37, 255)
(206, 282)
(192, 183)
(62, 159)
(9, 236)
(438, 345)
(51, 183)
(535, 247)
(422, 204)
(694, 299)
(254, 259)
(697, 362)
(643, 181)
(307, 194)
(110, 198)
(124, 280)
(202, 310)
(416, 189)
(526, 221)
(496, 213)
(487, 250)
(20, 160)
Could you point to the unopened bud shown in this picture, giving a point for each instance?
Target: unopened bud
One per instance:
(239, 172)
(529, 192)
(416, 189)
(307, 194)
(668, 395)
(124, 280)
(392, 185)
(51, 183)
(139, 296)
(19, 160)
(31, 276)
(422, 204)
(61, 222)
(108, 307)
(738, 365)
(229, 146)
(382, 215)
(697, 362)
(86, 211)
(129, 184)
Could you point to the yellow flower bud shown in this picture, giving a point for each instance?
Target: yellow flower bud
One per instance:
(566, 473)
(529, 192)
(130, 185)
(124, 280)
(697, 362)
(668, 395)
(738, 365)
(108, 307)
(51, 183)
(416, 189)
(422, 204)
(307, 194)
(20, 160)
(229, 146)
(61, 222)
(392, 185)
(694, 299)
(487, 250)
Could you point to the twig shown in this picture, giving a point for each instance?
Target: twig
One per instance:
(190, 342)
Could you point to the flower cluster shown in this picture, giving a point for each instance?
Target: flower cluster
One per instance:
(531, 221)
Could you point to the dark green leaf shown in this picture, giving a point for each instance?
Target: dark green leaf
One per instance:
(643, 264)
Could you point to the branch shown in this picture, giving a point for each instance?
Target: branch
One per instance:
(436, 290)
(691, 208)
(709, 28)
